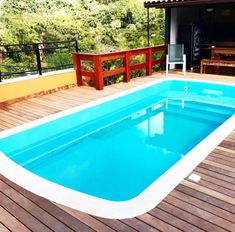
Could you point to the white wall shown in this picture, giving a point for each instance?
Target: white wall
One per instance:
(173, 29)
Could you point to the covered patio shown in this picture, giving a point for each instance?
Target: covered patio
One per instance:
(199, 25)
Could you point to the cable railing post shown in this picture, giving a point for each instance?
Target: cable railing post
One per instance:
(148, 27)
(126, 64)
(76, 45)
(38, 58)
(99, 83)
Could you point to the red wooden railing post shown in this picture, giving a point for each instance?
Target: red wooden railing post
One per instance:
(77, 67)
(149, 61)
(126, 64)
(99, 84)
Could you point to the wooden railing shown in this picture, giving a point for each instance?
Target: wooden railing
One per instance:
(97, 59)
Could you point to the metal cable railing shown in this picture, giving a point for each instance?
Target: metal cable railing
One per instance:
(28, 59)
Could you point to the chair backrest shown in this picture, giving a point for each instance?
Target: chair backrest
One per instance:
(175, 52)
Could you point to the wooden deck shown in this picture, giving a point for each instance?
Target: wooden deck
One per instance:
(208, 205)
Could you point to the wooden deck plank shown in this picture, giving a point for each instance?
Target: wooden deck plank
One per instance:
(219, 170)
(216, 175)
(12, 117)
(22, 215)
(89, 220)
(210, 192)
(44, 102)
(25, 111)
(208, 205)
(224, 151)
(3, 228)
(43, 107)
(186, 216)
(206, 198)
(174, 221)
(15, 116)
(222, 161)
(204, 205)
(228, 145)
(157, 223)
(18, 113)
(139, 225)
(217, 188)
(218, 182)
(221, 157)
(33, 209)
(201, 213)
(116, 225)
(50, 208)
(10, 222)
(222, 166)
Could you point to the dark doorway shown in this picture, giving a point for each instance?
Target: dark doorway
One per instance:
(200, 28)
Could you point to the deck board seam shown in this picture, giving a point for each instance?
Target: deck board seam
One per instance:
(23, 223)
(43, 208)
(174, 216)
(201, 170)
(219, 183)
(208, 223)
(34, 204)
(180, 186)
(97, 218)
(160, 229)
(131, 225)
(181, 199)
(7, 229)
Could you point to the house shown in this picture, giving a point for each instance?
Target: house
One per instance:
(198, 24)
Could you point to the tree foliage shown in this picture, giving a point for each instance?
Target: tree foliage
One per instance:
(99, 26)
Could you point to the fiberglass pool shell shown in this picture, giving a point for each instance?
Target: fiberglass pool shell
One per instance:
(117, 149)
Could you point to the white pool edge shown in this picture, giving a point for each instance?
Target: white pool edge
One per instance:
(144, 202)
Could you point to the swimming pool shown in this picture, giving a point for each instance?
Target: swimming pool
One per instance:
(119, 158)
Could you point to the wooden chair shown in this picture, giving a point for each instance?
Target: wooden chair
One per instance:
(176, 56)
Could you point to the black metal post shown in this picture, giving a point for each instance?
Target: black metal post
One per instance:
(76, 45)
(167, 25)
(37, 52)
(167, 29)
(148, 27)
(0, 76)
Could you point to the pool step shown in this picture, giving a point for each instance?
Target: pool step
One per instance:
(203, 116)
(202, 107)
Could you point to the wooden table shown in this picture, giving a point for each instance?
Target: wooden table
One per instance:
(227, 53)
(216, 63)
(216, 52)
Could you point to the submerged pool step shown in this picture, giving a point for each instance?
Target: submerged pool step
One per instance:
(203, 116)
(202, 107)
(215, 109)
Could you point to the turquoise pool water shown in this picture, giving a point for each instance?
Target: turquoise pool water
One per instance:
(117, 149)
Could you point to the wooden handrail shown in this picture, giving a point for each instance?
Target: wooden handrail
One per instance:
(98, 74)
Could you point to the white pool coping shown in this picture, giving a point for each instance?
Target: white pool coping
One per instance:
(35, 76)
(142, 203)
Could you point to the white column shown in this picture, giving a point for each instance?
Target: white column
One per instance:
(173, 29)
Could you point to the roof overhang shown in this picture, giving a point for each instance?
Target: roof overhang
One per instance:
(183, 3)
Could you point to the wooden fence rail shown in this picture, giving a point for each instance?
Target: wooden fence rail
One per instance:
(97, 59)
